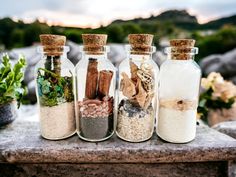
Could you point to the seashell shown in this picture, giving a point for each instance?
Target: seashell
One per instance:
(81, 108)
(80, 103)
(92, 105)
(92, 101)
(146, 68)
(141, 95)
(104, 106)
(99, 109)
(147, 80)
(127, 86)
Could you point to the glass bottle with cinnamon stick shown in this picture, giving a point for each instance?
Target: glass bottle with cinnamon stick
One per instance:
(55, 88)
(137, 90)
(178, 92)
(95, 90)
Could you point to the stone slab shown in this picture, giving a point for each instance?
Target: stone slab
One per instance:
(228, 128)
(204, 169)
(21, 142)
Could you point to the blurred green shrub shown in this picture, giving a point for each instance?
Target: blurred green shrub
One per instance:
(219, 42)
(18, 34)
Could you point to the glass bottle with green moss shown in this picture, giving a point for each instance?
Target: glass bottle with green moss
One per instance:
(55, 89)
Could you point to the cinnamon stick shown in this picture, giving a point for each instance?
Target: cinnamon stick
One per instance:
(104, 83)
(91, 79)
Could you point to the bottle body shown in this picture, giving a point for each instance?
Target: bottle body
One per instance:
(178, 97)
(95, 97)
(137, 98)
(55, 95)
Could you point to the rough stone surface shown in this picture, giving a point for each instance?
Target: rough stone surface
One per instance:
(224, 64)
(21, 143)
(23, 152)
(116, 170)
(228, 128)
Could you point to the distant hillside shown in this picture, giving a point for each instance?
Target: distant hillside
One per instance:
(176, 16)
(180, 18)
(169, 24)
(216, 24)
(170, 15)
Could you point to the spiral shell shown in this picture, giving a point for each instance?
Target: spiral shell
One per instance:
(147, 80)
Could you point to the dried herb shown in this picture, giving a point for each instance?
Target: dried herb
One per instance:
(139, 89)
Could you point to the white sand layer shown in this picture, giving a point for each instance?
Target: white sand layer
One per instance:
(135, 129)
(177, 126)
(57, 122)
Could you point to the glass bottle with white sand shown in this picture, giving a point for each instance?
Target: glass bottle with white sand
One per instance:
(137, 90)
(178, 92)
(95, 76)
(55, 89)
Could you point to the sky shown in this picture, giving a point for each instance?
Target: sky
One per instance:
(93, 13)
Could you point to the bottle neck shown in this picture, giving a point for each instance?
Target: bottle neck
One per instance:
(138, 57)
(53, 57)
(181, 53)
(53, 53)
(140, 53)
(98, 52)
(182, 57)
(97, 56)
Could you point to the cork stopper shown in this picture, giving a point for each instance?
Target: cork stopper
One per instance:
(94, 43)
(182, 42)
(52, 44)
(181, 49)
(140, 43)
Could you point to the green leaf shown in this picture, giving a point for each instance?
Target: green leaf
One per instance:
(202, 102)
(6, 67)
(10, 79)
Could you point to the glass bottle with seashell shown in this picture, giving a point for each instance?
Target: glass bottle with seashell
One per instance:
(95, 76)
(178, 92)
(137, 90)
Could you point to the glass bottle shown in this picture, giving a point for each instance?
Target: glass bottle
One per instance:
(178, 92)
(137, 90)
(55, 89)
(95, 90)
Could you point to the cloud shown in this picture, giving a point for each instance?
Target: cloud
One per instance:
(96, 12)
(61, 18)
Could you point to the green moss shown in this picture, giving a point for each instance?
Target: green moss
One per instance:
(54, 89)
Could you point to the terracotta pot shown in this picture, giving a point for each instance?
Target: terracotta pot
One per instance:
(8, 113)
(221, 115)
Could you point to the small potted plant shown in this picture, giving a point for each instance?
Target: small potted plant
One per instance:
(11, 88)
(217, 99)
